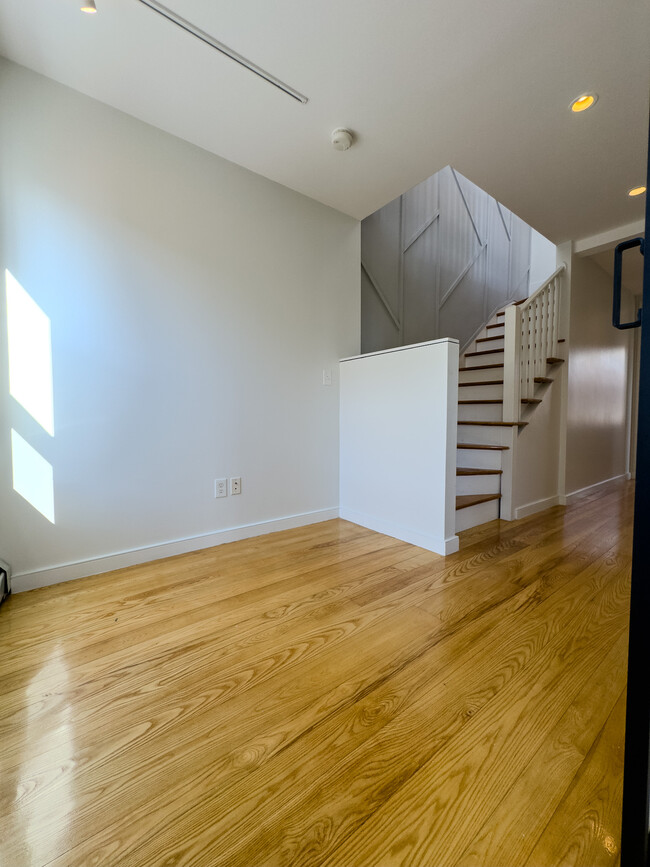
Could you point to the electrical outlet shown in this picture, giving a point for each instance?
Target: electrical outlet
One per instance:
(235, 486)
(220, 488)
(327, 377)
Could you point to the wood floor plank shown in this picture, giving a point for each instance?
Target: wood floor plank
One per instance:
(428, 818)
(91, 614)
(271, 798)
(585, 830)
(213, 620)
(220, 743)
(238, 616)
(510, 833)
(305, 698)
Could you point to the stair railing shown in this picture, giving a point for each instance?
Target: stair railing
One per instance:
(532, 331)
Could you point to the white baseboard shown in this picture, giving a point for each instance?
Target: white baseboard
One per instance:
(570, 498)
(22, 581)
(536, 506)
(437, 544)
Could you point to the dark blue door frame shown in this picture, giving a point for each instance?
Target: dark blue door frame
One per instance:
(634, 834)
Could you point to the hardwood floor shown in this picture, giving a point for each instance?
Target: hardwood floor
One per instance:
(327, 695)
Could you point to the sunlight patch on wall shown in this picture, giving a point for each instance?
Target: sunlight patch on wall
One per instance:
(30, 354)
(33, 477)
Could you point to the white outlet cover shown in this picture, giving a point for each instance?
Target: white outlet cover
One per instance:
(220, 488)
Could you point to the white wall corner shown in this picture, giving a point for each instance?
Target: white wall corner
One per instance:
(452, 544)
(398, 412)
(452, 442)
(437, 544)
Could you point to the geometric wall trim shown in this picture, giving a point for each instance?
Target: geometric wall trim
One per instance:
(437, 262)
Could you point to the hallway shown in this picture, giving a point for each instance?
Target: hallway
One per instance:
(327, 695)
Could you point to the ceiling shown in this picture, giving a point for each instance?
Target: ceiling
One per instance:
(483, 86)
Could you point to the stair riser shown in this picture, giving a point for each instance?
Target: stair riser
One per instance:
(480, 412)
(480, 375)
(477, 485)
(475, 515)
(490, 344)
(483, 460)
(488, 358)
(494, 436)
(481, 392)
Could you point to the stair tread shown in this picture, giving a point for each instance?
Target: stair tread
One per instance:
(482, 352)
(495, 325)
(488, 447)
(531, 400)
(467, 402)
(482, 367)
(541, 379)
(486, 339)
(467, 500)
(496, 423)
(485, 382)
(553, 360)
(476, 471)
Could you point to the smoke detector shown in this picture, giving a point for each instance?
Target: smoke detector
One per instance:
(342, 139)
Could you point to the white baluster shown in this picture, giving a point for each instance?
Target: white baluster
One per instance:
(542, 335)
(542, 330)
(539, 325)
(547, 317)
(538, 341)
(529, 349)
(556, 313)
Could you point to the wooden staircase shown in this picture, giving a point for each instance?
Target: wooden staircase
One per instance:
(483, 435)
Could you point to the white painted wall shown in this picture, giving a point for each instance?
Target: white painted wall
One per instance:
(537, 454)
(597, 401)
(543, 255)
(398, 443)
(193, 306)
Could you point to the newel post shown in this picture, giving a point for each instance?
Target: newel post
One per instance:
(511, 364)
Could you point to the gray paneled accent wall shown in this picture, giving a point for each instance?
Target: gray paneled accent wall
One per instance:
(438, 262)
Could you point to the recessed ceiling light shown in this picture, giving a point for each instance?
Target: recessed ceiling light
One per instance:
(583, 102)
(636, 191)
(89, 7)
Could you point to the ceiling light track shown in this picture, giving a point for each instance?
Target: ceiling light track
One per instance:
(223, 49)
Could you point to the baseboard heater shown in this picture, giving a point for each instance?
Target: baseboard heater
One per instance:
(5, 581)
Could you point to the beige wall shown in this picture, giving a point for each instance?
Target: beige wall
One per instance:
(597, 404)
